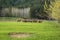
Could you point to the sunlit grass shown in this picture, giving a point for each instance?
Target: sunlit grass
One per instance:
(47, 30)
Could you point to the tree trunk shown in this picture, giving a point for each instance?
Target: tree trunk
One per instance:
(0, 11)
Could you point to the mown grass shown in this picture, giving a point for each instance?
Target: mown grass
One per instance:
(47, 30)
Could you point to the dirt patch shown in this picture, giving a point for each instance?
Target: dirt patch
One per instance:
(19, 35)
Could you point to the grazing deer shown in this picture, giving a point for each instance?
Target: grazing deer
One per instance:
(29, 20)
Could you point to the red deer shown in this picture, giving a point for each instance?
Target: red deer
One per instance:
(29, 20)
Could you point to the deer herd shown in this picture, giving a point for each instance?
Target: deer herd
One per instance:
(29, 20)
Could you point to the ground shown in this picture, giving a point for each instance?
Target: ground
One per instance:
(47, 30)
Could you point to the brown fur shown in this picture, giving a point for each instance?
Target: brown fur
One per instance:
(29, 20)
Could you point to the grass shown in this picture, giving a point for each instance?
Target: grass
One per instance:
(47, 30)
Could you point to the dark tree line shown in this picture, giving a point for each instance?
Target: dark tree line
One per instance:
(38, 7)
(41, 11)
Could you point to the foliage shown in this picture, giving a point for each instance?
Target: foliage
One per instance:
(56, 10)
(42, 11)
(39, 9)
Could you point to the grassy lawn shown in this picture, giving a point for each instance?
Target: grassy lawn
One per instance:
(47, 30)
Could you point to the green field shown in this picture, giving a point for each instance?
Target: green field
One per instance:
(47, 30)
